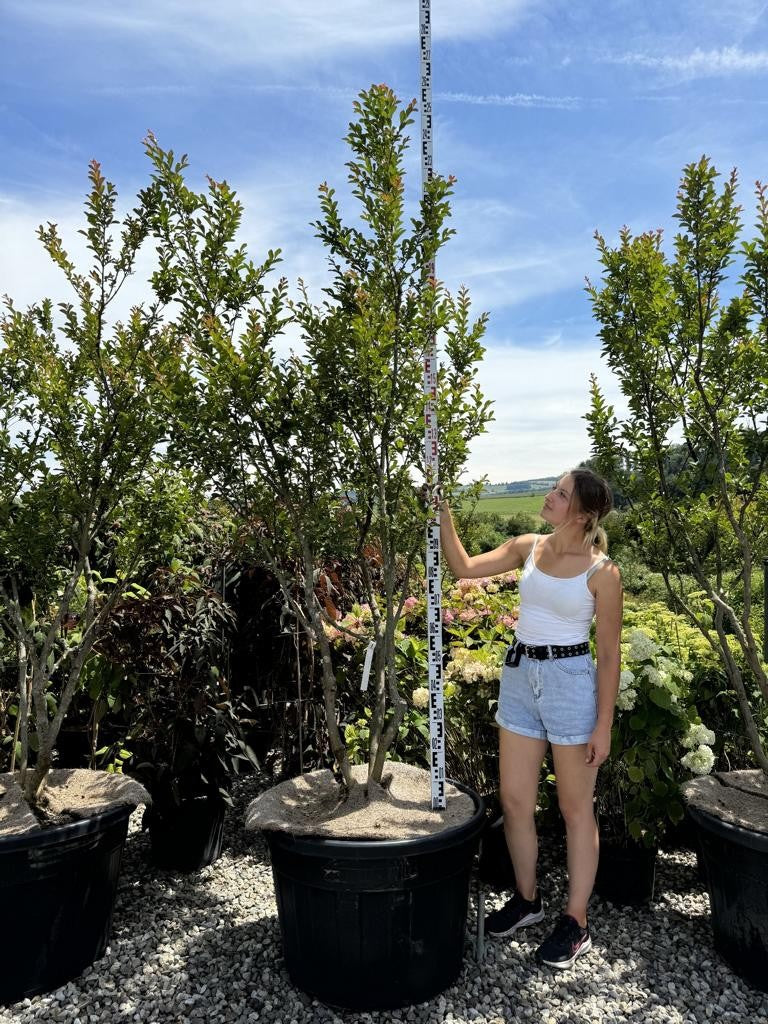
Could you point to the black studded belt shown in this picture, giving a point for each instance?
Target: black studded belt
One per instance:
(542, 652)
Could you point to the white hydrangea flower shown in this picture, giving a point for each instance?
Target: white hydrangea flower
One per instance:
(420, 697)
(641, 647)
(626, 699)
(626, 679)
(653, 675)
(470, 667)
(667, 680)
(700, 761)
(698, 735)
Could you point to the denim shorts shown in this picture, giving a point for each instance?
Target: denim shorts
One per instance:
(553, 700)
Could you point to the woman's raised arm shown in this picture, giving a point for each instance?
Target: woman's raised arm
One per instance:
(509, 555)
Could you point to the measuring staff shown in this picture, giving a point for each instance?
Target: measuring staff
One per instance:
(431, 462)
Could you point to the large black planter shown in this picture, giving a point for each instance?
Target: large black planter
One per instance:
(370, 925)
(495, 866)
(57, 893)
(189, 836)
(735, 863)
(626, 873)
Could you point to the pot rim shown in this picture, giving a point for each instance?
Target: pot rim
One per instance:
(738, 834)
(50, 835)
(321, 846)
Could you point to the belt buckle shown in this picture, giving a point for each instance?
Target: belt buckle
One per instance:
(550, 655)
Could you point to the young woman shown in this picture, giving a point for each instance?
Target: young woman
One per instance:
(551, 693)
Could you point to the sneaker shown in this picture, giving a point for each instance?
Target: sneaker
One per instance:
(516, 913)
(567, 942)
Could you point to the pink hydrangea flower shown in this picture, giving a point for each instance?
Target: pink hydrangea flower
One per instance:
(508, 621)
(448, 615)
(409, 604)
(467, 615)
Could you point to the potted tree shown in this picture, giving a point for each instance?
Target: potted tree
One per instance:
(83, 413)
(658, 741)
(170, 643)
(695, 367)
(319, 453)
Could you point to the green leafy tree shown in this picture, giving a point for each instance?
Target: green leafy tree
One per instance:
(84, 488)
(693, 367)
(319, 452)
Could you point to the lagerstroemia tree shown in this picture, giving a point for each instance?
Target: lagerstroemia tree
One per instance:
(85, 491)
(694, 366)
(319, 451)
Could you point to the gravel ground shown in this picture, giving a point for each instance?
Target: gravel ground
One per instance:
(207, 947)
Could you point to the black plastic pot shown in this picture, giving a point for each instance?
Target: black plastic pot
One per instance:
(57, 891)
(370, 925)
(681, 836)
(189, 836)
(626, 873)
(495, 865)
(736, 868)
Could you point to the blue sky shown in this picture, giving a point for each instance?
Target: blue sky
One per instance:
(556, 117)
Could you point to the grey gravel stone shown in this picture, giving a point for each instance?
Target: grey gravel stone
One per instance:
(207, 947)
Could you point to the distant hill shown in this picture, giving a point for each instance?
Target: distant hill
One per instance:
(538, 485)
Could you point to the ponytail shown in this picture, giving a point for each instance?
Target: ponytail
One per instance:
(594, 501)
(596, 535)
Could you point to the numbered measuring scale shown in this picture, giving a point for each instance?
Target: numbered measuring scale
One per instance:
(431, 458)
(432, 471)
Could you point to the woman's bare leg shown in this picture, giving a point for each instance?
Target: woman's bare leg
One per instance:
(520, 759)
(575, 789)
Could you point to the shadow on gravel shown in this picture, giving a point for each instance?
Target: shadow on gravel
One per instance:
(206, 947)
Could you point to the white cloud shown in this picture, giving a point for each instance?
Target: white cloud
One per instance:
(728, 60)
(244, 33)
(27, 274)
(518, 99)
(508, 272)
(540, 396)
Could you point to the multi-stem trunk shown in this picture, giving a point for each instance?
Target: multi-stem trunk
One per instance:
(725, 613)
(21, 729)
(312, 606)
(397, 704)
(733, 672)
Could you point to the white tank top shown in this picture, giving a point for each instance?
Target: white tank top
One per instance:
(553, 610)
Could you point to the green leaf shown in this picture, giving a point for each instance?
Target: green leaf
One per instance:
(676, 812)
(660, 697)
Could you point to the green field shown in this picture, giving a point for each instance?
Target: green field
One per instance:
(508, 504)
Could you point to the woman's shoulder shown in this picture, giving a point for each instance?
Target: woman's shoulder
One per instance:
(604, 572)
(525, 543)
(599, 557)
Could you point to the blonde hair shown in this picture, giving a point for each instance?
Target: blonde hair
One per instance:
(595, 501)
(598, 537)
